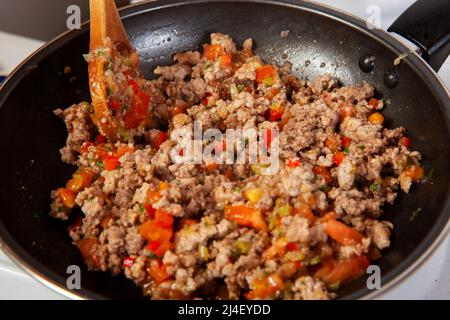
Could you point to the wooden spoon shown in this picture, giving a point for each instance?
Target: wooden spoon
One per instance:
(106, 22)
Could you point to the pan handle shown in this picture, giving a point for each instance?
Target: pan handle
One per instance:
(427, 24)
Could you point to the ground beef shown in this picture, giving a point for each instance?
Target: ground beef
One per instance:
(215, 230)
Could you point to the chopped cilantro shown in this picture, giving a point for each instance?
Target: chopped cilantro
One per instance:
(207, 65)
(237, 189)
(246, 141)
(324, 188)
(108, 91)
(142, 208)
(152, 255)
(99, 164)
(346, 151)
(415, 214)
(362, 147)
(374, 187)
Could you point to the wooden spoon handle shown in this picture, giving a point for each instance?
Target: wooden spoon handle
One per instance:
(106, 22)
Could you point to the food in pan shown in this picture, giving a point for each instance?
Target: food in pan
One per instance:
(211, 230)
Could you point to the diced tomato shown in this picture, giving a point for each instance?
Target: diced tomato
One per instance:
(342, 233)
(100, 139)
(376, 118)
(139, 107)
(153, 245)
(225, 60)
(406, 142)
(111, 162)
(323, 171)
(245, 216)
(114, 104)
(265, 74)
(414, 172)
(152, 231)
(345, 142)
(294, 162)
(276, 114)
(291, 246)
(213, 51)
(373, 103)
(67, 196)
(149, 210)
(76, 183)
(338, 158)
(205, 100)
(158, 272)
(123, 150)
(340, 271)
(265, 287)
(160, 139)
(153, 196)
(134, 85)
(88, 249)
(128, 262)
(163, 247)
(163, 218)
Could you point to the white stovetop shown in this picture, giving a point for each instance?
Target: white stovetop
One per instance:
(431, 281)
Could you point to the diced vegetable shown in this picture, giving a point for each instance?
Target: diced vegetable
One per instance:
(414, 172)
(158, 271)
(111, 163)
(245, 216)
(163, 219)
(277, 249)
(266, 287)
(160, 139)
(242, 247)
(266, 75)
(67, 196)
(338, 158)
(406, 142)
(88, 249)
(213, 51)
(285, 210)
(323, 171)
(376, 118)
(345, 142)
(342, 233)
(340, 271)
(253, 195)
(373, 103)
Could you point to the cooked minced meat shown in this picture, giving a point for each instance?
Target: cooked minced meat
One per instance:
(213, 230)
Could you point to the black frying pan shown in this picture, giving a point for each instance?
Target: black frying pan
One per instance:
(332, 41)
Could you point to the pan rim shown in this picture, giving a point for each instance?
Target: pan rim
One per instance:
(416, 62)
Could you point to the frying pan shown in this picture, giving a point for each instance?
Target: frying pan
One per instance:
(321, 40)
